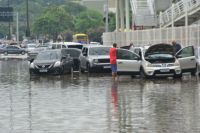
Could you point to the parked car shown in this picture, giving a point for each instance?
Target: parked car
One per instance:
(74, 54)
(156, 60)
(95, 57)
(128, 62)
(12, 49)
(52, 61)
(159, 60)
(34, 52)
(30, 47)
(197, 54)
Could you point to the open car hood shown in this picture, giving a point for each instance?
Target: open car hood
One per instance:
(159, 49)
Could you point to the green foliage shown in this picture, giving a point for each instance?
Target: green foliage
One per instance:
(53, 21)
(88, 19)
(95, 35)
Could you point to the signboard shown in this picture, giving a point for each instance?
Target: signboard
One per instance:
(6, 14)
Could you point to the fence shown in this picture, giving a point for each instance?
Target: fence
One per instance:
(184, 35)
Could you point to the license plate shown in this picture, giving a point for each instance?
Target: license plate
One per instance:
(43, 70)
(106, 67)
(164, 70)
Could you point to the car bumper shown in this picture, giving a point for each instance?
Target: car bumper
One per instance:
(103, 67)
(53, 70)
(163, 71)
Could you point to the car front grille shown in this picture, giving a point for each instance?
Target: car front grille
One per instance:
(104, 60)
(44, 66)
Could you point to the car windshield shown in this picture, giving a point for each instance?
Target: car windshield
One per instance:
(48, 55)
(99, 51)
(73, 53)
(75, 46)
(159, 56)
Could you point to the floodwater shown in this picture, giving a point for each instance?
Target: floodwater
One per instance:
(84, 103)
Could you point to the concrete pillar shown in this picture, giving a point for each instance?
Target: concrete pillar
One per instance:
(117, 15)
(127, 15)
(121, 8)
(186, 23)
(172, 18)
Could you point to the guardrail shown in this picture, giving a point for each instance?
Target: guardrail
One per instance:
(178, 9)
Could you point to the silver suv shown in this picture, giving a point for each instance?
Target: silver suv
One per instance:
(95, 58)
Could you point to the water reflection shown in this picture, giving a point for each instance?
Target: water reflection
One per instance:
(93, 103)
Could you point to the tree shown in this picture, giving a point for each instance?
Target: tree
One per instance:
(95, 35)
(88, 19)
(53, 22)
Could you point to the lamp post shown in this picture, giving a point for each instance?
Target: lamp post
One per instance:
(27, 20)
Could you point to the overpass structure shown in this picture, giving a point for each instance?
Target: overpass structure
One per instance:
(156, 13)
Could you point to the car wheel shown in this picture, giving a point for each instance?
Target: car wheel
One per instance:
(22, 52)
(71, 70)
(88, 68)
(142, 74)
(194, 71)
(5, 53)
(61, 70)
(178, 75)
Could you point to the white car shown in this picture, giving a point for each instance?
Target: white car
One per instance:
(156, 60)
(95, 58)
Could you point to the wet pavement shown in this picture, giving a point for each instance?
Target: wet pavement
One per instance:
(83, 103)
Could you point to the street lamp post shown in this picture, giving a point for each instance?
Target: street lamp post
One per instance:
(27, 20)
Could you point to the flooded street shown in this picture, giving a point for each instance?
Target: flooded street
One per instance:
(85, 103)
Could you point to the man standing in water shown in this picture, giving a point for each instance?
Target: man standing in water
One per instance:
(113, 60)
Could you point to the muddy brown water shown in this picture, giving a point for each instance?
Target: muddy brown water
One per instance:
(93, 103)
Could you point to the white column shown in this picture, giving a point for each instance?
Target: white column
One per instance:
(17, 28)
(117, 15)
(121, 15)
(172, 18)
(127, 15)
(186, 22)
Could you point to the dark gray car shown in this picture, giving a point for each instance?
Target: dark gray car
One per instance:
(52, 61)
(11, 49)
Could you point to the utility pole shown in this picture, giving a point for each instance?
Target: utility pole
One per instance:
(27, 20)
(9, 29)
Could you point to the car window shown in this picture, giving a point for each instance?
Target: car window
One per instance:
(72, 52)
(48, 55)
(75, 46)
(99, 51)
(63, 46)
(126, 55)
(85, 51)
(186, 52)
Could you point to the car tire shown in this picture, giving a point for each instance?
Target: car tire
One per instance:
(22, 52)
(71, 70)
(5, 53)
(61, 71)
(194, 71)
(142, 73)
(178, 75)
(88, 68)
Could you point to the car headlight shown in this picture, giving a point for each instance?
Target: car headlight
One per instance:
(32, 65)
(57, 64)
(95, 61)
(148, 64)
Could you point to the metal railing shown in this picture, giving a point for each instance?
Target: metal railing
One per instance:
(177, 10)
(189, 35)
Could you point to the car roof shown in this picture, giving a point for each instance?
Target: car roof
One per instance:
(94, 46)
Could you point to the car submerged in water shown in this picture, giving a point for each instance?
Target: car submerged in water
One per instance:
(51, 61)
(157, 60)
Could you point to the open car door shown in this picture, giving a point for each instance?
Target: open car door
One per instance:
(187, 59)
(128, 63)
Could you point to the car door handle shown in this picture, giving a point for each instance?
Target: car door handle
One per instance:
(120, 63)
(191, 59)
